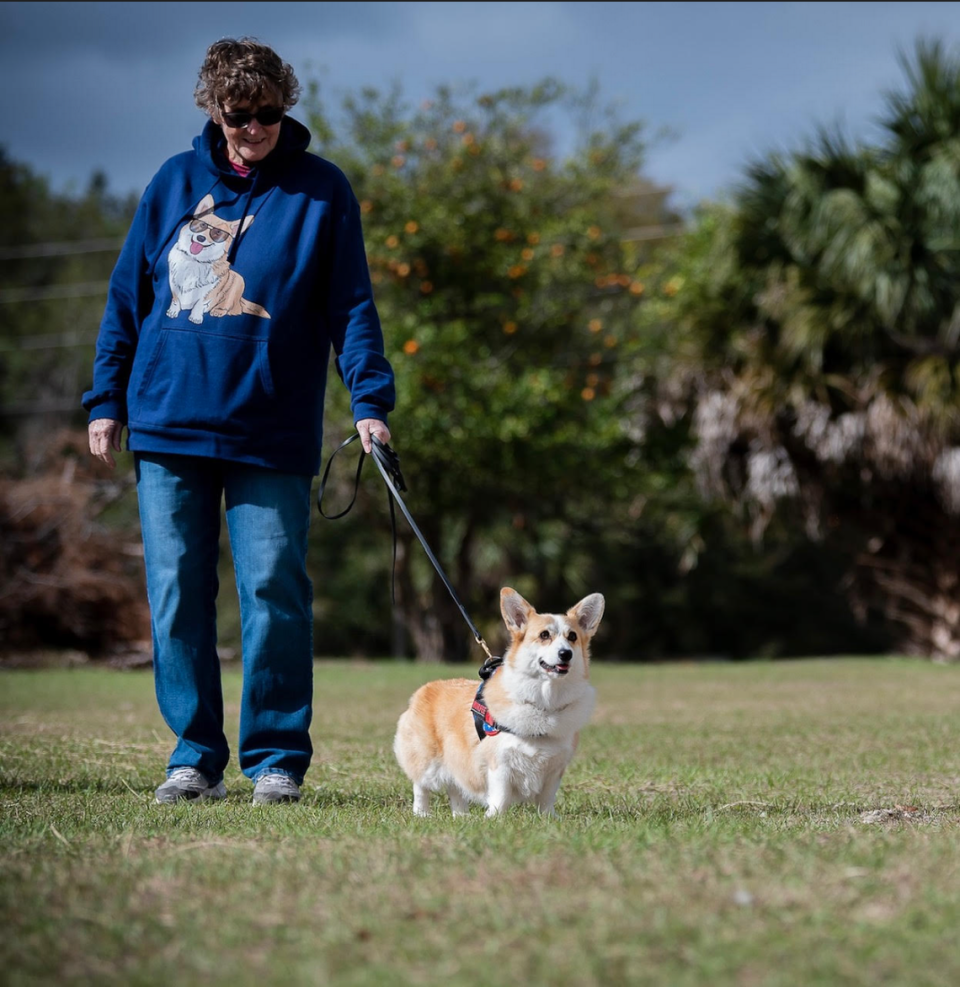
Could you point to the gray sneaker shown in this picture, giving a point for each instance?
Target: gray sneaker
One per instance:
(189, 785)
(275, 788)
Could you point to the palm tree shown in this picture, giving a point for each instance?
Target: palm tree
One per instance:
(819, 345)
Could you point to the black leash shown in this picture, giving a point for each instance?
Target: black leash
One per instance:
(388, 462)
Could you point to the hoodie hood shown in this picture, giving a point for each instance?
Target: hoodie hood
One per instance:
(209, 147)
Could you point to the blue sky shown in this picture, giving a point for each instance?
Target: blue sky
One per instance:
(109, 85)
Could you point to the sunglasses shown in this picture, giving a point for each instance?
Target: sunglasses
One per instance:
(267, 116)
(217, 235)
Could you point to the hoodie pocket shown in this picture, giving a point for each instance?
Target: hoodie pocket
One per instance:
(200, 379)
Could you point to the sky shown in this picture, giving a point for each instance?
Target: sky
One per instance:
(109, 86)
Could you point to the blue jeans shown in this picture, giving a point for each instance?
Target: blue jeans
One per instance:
(268, 514)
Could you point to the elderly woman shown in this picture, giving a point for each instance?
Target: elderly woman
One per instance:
(244, 264)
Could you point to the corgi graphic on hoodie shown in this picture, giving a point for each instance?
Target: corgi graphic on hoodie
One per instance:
(200, 275)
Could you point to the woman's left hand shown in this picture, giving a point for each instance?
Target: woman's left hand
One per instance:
(372, 426)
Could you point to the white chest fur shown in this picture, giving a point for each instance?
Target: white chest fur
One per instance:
(190, 278)
(543, 709)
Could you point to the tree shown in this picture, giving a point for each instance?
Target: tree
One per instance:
(508, 296)
(817, 321)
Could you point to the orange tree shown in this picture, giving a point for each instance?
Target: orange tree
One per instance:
(509, 297)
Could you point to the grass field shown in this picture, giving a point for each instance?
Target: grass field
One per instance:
(778, 823)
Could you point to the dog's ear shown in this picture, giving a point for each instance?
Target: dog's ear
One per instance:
(588, 611)
(247, 220)
(515, 609)
(204, 206)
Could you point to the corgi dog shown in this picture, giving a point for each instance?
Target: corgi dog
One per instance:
(201, 279)
(510, 740)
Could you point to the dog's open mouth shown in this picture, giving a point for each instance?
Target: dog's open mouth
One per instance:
(559, 669)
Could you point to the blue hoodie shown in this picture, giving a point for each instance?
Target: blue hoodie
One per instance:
(225, 301)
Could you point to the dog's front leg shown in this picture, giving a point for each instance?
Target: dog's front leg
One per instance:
(196, 313)
(548, 794)
(174, 309)
(498, 791)
(421, 800)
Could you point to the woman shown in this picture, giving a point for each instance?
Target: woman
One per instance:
(244, 264)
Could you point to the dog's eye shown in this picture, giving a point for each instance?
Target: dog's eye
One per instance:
(544, 635)
(572, 636)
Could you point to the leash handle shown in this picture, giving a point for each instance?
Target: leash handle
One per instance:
(388, 463)
(326, 474)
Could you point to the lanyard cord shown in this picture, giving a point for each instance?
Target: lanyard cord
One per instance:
(388, 462)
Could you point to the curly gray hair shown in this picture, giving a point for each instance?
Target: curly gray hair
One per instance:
(242, 70)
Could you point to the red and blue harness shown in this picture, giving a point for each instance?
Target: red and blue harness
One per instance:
(483, 719)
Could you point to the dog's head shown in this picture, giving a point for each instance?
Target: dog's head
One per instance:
(207, 237)
(550, 645)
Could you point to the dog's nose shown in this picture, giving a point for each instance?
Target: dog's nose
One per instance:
(564, 654)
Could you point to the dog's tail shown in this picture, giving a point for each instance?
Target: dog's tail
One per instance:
(251, 308)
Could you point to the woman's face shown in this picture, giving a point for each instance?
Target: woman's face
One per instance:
(248, 140)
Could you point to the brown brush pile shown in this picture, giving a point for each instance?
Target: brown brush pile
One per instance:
(67, 579)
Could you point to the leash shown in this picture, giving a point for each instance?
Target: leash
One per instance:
(388, 462)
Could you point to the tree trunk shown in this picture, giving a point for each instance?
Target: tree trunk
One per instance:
(907, 573)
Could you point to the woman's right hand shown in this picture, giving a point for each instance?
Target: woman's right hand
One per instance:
(104, 434)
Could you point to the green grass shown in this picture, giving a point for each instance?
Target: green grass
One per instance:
(711, 830)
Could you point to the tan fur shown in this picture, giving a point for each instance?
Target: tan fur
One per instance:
(227, 297)
(436, 742)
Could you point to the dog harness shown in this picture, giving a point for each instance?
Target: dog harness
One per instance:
(483, 719)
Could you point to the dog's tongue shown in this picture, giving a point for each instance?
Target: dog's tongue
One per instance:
(195, 247)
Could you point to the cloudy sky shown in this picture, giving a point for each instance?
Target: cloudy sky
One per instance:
(109, 85)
